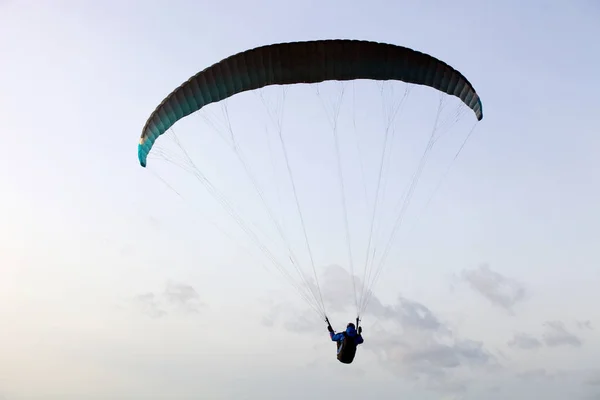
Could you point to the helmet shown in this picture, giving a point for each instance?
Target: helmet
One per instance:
(350, 324)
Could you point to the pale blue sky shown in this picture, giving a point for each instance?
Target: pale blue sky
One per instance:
(113, 287)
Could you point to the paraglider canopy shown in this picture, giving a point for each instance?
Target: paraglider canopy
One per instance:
(304, 62)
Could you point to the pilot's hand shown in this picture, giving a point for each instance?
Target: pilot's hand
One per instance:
(329, 328)
(360, 330)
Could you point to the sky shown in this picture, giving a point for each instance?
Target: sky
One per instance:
(123, 282)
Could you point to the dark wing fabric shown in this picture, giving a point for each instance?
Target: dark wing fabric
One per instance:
(304, 62)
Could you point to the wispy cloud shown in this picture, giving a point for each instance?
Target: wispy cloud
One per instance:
(536, 374)
(585, 325)
(438, 363)
(557, 335)
(524, 341)
(183, 296)
(500, 290)
(147, 303)
(175, 296)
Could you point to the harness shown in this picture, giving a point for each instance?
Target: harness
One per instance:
(346, 349)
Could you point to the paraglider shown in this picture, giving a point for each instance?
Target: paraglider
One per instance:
(308, 62)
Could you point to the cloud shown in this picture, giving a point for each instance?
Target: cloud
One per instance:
(291, 318)
(585, 325)
(409, 339)
(495, 389)
(439, 355)
(405, 311)
(435, 365)
(175, 296)
(593, 379)
(557, 335)
(536, 374)
(183, 296)
(408, 314)
(499, 290)
(524, 341)
(546, 376)
(147, 304)
(576, 378)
